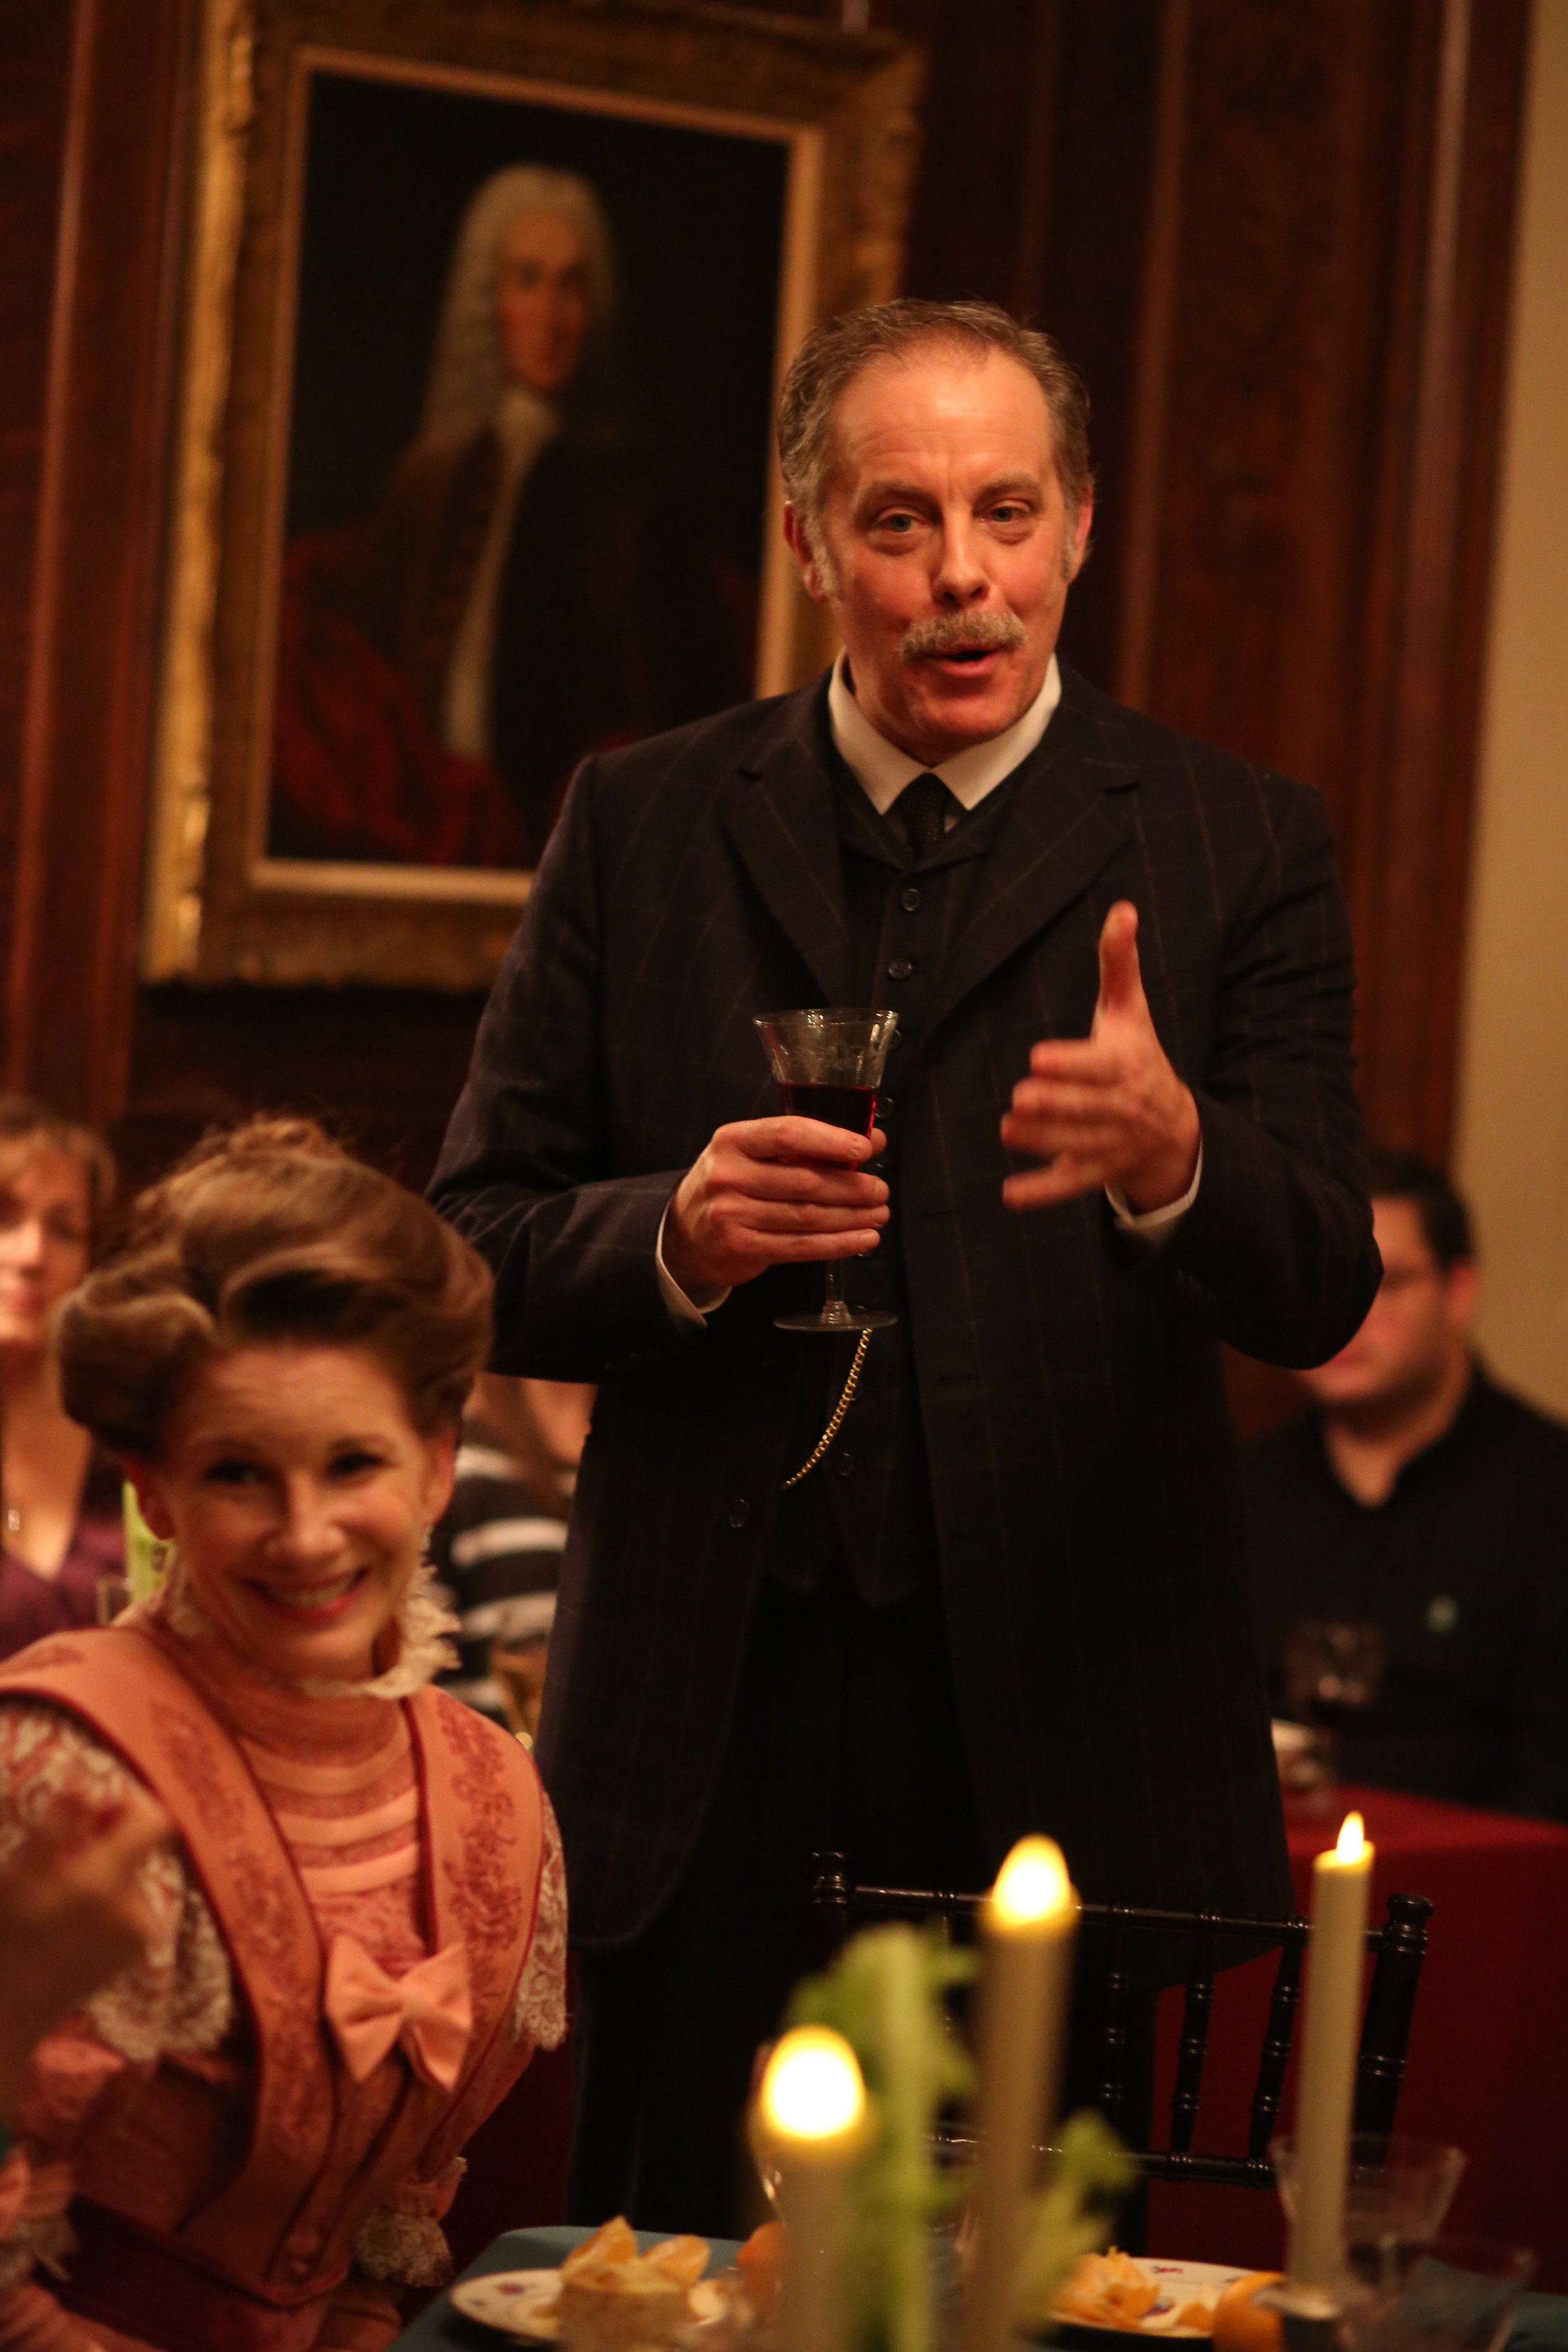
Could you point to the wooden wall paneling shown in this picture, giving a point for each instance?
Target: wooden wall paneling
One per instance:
(1237, 550)
(96, 587)
(1090, 269)
(1144, 448)
(35, 63)
(984, 156)
(1315, 439)
(1414, 761)
(381, 1066)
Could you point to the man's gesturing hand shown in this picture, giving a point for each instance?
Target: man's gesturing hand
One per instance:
(1107, 1108)
(771, 1192)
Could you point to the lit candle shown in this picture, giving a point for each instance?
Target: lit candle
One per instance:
(813, 2124)
(1331, 2034)
(1029, 1924)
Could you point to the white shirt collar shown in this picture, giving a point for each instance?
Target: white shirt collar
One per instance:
(882, 771)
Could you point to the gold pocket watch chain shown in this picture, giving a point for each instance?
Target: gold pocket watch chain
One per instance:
(837, 1423)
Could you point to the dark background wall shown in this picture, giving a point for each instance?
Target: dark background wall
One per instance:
(1274, 232)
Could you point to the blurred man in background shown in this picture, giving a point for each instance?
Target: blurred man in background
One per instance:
(1425, 1500)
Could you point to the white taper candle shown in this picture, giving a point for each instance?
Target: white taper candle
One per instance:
(812, 2123)
(1331, 2034)
(1028, 1925)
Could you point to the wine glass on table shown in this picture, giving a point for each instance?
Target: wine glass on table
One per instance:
(1333, 1670)
(828, 1063)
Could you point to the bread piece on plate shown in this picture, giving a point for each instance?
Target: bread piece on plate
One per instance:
(612, 2298)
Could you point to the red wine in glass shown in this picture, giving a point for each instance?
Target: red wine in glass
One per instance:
(827, 1065)
(851, 1106)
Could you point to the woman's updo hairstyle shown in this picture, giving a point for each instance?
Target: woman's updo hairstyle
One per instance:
(272, 1233)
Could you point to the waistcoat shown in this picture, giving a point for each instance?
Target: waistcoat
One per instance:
(870, 1498)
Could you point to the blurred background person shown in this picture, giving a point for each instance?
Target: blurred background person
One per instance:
(1422, 1499)
(497, 1548)
(61, 1521)
(521, 595)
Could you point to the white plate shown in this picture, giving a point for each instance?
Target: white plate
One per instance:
(520, 2302)
(1179, 2282)
(525, 2302)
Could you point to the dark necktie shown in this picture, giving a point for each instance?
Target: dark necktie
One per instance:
(921, 810)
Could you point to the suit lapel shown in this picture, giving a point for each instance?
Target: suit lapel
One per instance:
(779, 815)
(1066, 821)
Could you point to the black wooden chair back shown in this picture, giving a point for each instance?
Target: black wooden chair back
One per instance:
(841, 1906)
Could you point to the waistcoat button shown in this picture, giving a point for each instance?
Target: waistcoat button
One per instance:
(900, 968)
(909, 898)
(740, 1512)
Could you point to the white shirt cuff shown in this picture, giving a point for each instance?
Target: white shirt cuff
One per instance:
(694, 1311)
(1154, 1223)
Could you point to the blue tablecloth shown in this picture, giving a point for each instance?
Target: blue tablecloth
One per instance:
(1542, 2325)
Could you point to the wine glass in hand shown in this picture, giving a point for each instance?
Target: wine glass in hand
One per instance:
(828, 1065)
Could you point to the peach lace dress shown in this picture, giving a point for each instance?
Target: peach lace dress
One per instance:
(143, 2102)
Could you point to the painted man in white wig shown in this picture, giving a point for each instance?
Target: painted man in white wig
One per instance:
(515, 574)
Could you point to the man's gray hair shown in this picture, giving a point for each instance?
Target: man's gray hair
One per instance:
(832, 356)
(468, 374)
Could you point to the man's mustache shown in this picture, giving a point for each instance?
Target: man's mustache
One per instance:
(962, 633)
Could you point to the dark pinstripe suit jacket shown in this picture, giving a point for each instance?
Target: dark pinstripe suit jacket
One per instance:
(1070, 1379)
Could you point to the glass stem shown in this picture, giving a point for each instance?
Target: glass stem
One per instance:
(834, 1305)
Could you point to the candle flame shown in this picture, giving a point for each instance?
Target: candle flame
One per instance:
(811, 2088)
(1353, 1839)
(1032, 1885)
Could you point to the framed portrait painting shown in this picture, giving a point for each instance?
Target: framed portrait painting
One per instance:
(487, 307)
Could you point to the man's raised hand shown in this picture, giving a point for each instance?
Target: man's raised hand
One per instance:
(1107, 1108)
(774, 1191)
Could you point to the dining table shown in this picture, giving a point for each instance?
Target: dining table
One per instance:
(1487, 2068)
(1540, 2324)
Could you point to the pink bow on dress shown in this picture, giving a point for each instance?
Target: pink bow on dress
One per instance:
(428, 2011)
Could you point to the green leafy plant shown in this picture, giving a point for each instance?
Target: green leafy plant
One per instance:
(1072, 2214)
(887, 1994)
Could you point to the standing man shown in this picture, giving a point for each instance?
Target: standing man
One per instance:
(1117, 1127)
(1422, 1498)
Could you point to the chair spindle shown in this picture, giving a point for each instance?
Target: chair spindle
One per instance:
(1194, 2038)
(1113, 2034)
(830, 1906)
(1276, 2052)
(1389, 2009)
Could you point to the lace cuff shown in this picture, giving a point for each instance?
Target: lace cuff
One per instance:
(33, 2218)
(539, 2005)
(179, 1995)
(402, 2242)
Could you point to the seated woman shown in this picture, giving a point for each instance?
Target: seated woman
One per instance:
(359, 1938)
(61, 1526)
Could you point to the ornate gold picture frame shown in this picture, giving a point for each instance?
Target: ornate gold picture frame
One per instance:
(356, 762)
